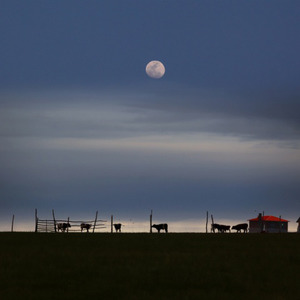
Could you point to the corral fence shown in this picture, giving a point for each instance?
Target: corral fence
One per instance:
(43, 225)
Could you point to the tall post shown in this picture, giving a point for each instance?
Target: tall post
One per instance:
(68, 223)
(54, 221)
(206, 221)
(111, 223)
(36, 221)
(95, 221)
(212, 224)
(12, 223)
(151, 222)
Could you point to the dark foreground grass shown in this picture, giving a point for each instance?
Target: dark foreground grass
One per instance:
(149, 266)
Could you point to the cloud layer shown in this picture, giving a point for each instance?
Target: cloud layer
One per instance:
(132, 152)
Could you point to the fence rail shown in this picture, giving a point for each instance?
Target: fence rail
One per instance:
(45, 225)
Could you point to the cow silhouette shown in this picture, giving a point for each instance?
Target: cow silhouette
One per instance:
(216, 226)
(240, 227)
(225, 228)
(85, 226)
(118, 227)
(220, 228)
(160, 227)
(62, 226)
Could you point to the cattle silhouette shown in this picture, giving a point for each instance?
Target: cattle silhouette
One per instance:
(118, 227)
(220, 228)
(62, 226)
(225, 228)
(215, 227)
(85, 226)
(160, 227)
(240, 227)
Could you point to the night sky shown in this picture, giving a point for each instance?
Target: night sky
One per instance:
(83, 128)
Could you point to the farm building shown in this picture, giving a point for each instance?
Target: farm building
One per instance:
(269, 224)
(298, 228)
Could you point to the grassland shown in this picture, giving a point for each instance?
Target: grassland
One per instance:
(147, 266)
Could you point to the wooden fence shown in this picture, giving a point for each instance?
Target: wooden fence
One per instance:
(42, 225)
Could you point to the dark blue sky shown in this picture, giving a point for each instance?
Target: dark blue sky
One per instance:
(226, 44)
(84, 128)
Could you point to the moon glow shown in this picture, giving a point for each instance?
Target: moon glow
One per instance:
(155, 69)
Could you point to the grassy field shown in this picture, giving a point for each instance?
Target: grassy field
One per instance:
(148, 266)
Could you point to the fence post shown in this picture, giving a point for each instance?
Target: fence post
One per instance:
(95, 221)
(12, 223)
(151, 222)
(111, 223)
(36, 221)
(54, 222)
(206, 221)
(212, 222)
(68, 226)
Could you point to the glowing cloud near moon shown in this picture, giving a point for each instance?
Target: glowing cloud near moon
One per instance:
(155, 69)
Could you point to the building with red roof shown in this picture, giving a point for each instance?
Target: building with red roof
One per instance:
(269, 224)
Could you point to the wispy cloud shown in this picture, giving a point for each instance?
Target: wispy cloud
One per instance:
(128, 114)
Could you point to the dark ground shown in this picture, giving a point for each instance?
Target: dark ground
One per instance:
(149, 266)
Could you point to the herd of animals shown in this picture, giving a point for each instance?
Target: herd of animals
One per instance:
(224, 228)
(214, 227)
(63, 227)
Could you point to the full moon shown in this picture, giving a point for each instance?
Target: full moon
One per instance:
(155, 69)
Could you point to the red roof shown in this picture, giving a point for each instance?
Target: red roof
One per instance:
(270, 218)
